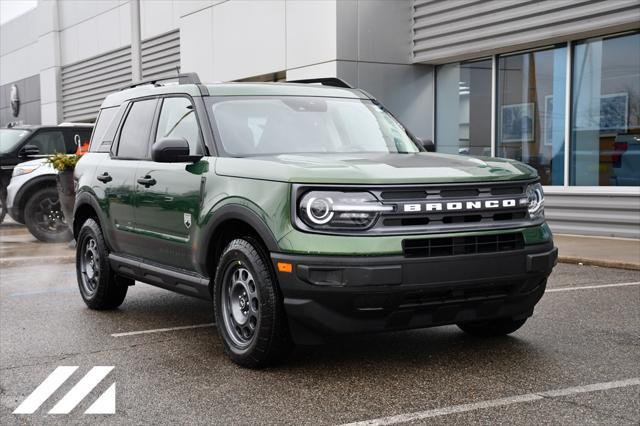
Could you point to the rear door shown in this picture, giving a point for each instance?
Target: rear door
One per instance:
(117, 174)
(169, 194)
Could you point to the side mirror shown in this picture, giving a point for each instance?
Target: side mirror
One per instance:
(172, 150)
(427, 144)
(29, 151)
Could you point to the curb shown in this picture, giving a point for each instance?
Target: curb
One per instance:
(599, 262)
(23, 261)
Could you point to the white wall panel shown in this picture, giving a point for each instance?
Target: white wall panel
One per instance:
(48, 85)
(196, 44)
(109, 30)
(158, 17)
(248, 38)
(72, 12)
(187, 7)
(311, 32)
(18, 33)
(19, 64)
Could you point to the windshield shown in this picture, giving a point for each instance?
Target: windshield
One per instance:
(271, 125)
(10, 138)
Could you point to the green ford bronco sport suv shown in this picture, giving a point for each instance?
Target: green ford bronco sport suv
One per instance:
(302, 211)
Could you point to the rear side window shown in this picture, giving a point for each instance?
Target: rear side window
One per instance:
(49, 142)
(105, 129)
(76, 138)
(134, 136)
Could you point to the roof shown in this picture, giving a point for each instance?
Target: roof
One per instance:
(87, 126)
(234, 89)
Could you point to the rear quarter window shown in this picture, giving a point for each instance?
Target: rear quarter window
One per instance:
(105, 128)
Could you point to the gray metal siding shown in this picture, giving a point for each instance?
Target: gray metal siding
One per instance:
(613, 215)
(446, 31)
(161, 56)
(85, 84)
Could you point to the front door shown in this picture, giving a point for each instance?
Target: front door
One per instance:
(169, 194)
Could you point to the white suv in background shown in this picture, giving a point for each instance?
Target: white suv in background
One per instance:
(32, 199)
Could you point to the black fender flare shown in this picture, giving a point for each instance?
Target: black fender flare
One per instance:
(237, 212)
(86, 198)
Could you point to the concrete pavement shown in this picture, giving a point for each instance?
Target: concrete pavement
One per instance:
(599, 251)
(584, 335)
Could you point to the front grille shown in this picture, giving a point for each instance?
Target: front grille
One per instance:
(453, 246)
(456, 295)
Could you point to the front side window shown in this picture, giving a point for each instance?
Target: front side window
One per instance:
(134, 136)
(178, 120)
(463, 108)
(530, 113)
(49, 142)
(605, 134)
(288, 125)
(11, 138)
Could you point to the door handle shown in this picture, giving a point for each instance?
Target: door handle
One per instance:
(146, 181)
(104, 178)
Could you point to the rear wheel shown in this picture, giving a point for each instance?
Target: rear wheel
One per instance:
(492, 328)
(99, 287)
(250, 317)
(44, 218)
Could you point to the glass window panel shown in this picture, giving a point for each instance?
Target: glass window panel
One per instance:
(605, 144)
(463, 108)
(530, 113)
(49, 142)
(178, 120)
(134, 136)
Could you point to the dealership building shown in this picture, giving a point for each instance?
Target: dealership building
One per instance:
(555, 83)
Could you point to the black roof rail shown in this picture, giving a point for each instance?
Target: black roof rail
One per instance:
(328, 81)
(186, 78)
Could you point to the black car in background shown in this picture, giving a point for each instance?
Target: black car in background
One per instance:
(27, 142)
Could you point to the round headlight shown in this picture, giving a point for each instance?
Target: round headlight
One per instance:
(535, 200)
(340, 209)
(319, 210)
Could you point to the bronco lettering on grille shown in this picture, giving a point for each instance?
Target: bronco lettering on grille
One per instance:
(463, 205)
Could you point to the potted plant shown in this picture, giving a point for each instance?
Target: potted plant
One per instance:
(65, 164)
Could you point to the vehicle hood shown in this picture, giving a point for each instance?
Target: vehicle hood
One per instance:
(372, 168)
(35, 162)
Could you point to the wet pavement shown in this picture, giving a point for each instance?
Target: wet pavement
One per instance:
(584, 332)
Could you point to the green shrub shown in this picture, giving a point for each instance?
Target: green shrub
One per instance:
(62, 162)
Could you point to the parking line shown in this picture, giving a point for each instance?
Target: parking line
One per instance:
(162, 330)
(516, 399)
(587, 287)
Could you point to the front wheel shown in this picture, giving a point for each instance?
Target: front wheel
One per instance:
(44, 218)
(3, 202)
(99, 287)
(250, 317)
(492, 328)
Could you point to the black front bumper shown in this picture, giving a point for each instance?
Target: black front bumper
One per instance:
(326, 295)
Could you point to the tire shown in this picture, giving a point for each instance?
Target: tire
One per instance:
(100, 288)
(3, 202)
(250, 317)
(492, 328)
(44, 218)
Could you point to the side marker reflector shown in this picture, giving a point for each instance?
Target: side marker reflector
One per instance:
(285, 267)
